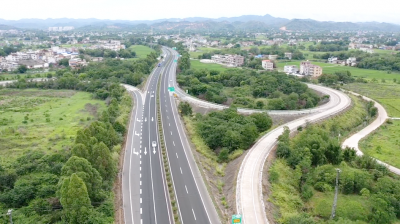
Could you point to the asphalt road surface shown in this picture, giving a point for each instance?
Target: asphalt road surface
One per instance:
(145, 193)
(194, 203)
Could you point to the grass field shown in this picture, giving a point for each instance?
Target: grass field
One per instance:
(45, 120)
(200, 51)
(384, 143)
(196, 64)
(141, 51)
(388, 94)
(355, 72)
(380, 51)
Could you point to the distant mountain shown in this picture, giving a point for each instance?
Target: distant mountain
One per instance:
(5, 27)
(245, 22)
(313, 25)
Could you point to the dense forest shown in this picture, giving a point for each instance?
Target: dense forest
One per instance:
(282, 91)
(226, 131)
(75, 186)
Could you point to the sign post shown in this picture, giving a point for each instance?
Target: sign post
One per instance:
(236, 219)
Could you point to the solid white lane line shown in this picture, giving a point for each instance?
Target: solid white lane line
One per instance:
(130, 161)
(194, 214)
(181, 169)
(186, 190)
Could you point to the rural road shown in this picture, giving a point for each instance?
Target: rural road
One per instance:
(353, 141)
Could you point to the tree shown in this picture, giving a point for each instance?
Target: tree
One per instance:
(91, 177)
(262, 120)
(64, 62)
(101, 160)
(75, 200)
(22, 69)
(185, 108)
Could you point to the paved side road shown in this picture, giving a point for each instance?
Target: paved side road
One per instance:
(353, 141)
(249, 197)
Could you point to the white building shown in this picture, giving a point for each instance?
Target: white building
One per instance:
(352, 61)
(268, 65)
(288, 55)
(332, 60)
(290, 69)
(272, 57)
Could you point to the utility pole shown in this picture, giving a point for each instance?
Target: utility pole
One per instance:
(336, 194)
(10, 214)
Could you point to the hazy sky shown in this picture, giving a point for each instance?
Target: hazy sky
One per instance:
(333, 10)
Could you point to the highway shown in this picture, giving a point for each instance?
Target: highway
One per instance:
(145, 193)
(194, 203)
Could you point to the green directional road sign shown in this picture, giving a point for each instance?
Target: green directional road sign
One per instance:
(179, 55)
(236, 219)
(171, 89)
(174, 48)
(175, 60)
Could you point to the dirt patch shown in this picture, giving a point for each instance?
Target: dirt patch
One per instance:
(91, 109)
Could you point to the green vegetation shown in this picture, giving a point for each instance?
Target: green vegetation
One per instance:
(196, 64)
(303, 179)
(228, 131)
(387, 93)
(39, 176)
(329, 46)
(141, 50)
(247, 88)
(384, 143)
(44, 120)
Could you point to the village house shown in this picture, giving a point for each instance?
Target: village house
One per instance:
(290, 69)
(268, 65)
(308, 69)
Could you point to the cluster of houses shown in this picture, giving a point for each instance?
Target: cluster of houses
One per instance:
(352, 61)
(306, 68)
(43, 58)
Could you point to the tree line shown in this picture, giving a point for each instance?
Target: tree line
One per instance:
(282, 91)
